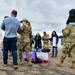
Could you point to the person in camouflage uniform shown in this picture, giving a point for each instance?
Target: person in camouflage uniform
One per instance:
(69, 45)
(45, 39)
(24, 41)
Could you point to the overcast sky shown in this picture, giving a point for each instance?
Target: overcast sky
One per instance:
(44, 15)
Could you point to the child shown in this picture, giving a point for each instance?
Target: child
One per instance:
(54, 39)
(45, 49)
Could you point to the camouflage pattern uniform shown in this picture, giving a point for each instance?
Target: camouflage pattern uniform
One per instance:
(24, 41)
(69, 45)
(45, 39)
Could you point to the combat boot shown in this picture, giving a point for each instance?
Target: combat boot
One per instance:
(73, 65)
(29, 60)
(59, 64)
(20, 63)
(29, 63)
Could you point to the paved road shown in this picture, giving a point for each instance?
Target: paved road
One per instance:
(38, 69)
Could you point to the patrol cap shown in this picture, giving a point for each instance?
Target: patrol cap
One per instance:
(23, 20)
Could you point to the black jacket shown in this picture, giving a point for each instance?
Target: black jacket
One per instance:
(37, 41)
(45, 50)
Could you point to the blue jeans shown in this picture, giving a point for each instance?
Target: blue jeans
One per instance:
(38, 45)
(10, 43)
(54, 51)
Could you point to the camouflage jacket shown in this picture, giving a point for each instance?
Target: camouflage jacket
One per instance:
(45, 37)
(69, 33)
(26, 33)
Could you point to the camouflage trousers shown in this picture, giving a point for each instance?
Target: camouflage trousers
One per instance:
(45, 43)
(24, 47)
(68, 47)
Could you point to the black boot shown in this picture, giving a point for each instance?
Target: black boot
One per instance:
(56, 53)
(52, 53)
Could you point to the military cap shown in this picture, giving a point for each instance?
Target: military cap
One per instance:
(24, 20)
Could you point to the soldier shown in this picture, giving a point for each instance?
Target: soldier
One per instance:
(69, 44)
(45, 39)
(24, 41)
(30, 36)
